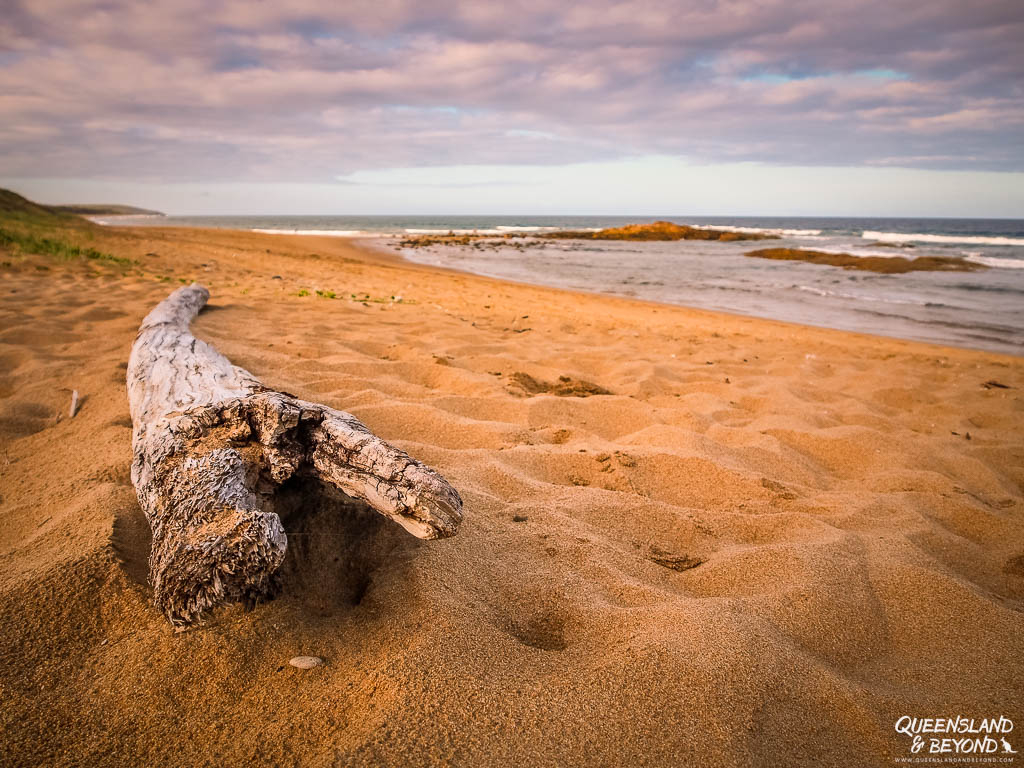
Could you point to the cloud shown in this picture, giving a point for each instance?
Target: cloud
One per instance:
(310, 91)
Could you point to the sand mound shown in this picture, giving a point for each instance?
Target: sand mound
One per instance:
(765, 560)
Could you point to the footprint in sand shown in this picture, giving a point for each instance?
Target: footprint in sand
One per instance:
(21, 418)
(544, 630)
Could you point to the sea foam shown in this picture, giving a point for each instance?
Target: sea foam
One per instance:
(809, 233)
(500, 230)
(322, 232)
(920, 237)
(450, 231)
(863, 252)
(858, 296)
(995, 261)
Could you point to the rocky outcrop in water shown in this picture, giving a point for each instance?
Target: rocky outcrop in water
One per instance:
(883, 264)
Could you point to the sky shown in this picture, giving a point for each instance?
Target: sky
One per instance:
(773, 107)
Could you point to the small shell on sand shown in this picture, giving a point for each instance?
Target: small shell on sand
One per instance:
(306, 662)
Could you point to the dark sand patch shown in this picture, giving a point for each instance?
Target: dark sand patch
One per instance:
(566, 386)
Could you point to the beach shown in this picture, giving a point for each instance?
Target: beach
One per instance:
(764, 546)
(979, 304)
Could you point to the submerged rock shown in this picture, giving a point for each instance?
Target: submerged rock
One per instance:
(658, 230)
(661, 230)
(882, 264)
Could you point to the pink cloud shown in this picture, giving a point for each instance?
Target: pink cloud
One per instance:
(309, 89)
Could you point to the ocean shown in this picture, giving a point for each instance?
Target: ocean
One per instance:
(983, 309)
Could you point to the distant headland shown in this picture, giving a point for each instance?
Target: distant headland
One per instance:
(100, 209)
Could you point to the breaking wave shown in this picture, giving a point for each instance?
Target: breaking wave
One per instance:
(502, 230)
(995, 261)
(920, 237)
(762, 230)
(858, 296)
(321, 232)
(863, 252)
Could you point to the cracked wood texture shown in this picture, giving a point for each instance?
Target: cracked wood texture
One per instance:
(211, 446)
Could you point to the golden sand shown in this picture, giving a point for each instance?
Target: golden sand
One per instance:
(764, 546)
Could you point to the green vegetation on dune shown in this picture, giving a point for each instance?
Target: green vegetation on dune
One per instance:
(60, 248)
(30, 228)
(13, 203)
(14, 207)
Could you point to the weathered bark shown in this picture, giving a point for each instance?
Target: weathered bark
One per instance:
(211, 445)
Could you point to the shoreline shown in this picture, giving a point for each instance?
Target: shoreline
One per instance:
(368, 245)
(386, 255)
(977, 310)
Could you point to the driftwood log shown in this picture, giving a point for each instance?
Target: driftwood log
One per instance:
(212, 445)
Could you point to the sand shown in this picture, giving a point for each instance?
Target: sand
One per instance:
(766, 545)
